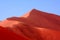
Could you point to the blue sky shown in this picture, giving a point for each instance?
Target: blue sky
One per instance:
(10, 8)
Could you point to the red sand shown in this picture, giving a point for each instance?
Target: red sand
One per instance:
(34, 25)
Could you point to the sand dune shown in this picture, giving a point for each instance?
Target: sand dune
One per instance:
(34, 25)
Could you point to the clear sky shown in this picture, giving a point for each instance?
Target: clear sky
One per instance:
(10, 8)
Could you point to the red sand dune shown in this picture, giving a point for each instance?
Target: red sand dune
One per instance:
(34, 25)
